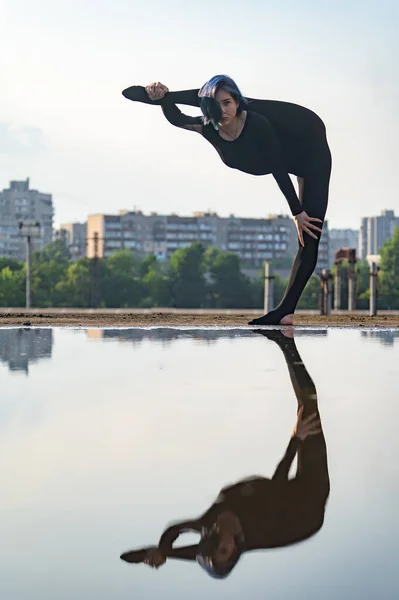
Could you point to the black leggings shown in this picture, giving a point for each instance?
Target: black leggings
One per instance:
(314, 201)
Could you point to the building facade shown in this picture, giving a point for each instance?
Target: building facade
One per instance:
(323, 258)
(375, 231)
(253, 240)
(20, 203)
(74, 235)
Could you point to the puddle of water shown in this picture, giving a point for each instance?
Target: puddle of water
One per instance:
(109, 435)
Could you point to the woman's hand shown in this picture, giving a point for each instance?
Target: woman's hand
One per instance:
(156, 91)
(154, 558)
(304, 223)
(309, 426)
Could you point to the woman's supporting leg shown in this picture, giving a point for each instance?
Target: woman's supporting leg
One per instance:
(312, 464)
(315, 198)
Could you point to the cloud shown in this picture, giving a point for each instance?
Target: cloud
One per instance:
(21, 139)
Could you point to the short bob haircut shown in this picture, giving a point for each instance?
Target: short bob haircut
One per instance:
(206, 549)
(209, 107)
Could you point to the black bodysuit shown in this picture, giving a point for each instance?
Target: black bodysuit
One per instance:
(278, 138)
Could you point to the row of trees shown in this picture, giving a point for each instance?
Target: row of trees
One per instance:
(193, 277)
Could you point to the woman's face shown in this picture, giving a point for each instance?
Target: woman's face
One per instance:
(228, 106)
(225, 550)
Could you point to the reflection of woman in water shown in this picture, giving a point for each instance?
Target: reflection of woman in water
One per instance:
(258, 512)
(260, 137)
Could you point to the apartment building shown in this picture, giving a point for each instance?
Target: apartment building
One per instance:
(375, 231)
(254, 240)
(74, 235)
(21, 203)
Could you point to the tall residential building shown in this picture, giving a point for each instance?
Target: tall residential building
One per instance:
(254, 240)
(21, 347)
(20, 203)
(375, 231)
(341, 238)
(74, 235)
(323, 261)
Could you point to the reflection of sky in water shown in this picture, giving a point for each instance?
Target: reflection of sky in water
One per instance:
(107, 442)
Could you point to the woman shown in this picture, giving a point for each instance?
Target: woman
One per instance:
(257, 512)
(261, 137)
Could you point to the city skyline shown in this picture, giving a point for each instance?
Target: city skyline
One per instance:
(66, 125)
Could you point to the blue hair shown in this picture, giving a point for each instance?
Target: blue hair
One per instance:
(209, 107)
(206, 548)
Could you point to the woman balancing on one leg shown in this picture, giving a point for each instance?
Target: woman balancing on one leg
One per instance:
(261, 137)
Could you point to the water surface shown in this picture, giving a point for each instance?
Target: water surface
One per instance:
(109, 435)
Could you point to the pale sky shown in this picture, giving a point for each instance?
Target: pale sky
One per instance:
(65, 124)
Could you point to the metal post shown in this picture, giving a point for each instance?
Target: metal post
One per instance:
(94, 272)
(326, 292)
(322, 294)
(373, 289)
(337, 286)
(29, 230)
(269, 288)
(351, 286)
(28, 272)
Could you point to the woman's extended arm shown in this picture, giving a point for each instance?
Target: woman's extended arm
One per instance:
(157, 93)
(178, 119)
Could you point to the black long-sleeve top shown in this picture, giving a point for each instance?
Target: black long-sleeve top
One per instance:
(278, 138)
(256, 151)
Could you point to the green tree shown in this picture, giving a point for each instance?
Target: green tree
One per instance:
(389, 276)
(12, 287)
(227, 287)
(186, 271)
(147, 263)
(310, 298)
(155, 289)
(362, 285)
(75, 287)
(48, 268)
(280, 285)
(15, 265)
(57, 251)
(121, 286)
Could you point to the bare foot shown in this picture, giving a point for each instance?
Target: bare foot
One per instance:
(288, 332)
(287, 320)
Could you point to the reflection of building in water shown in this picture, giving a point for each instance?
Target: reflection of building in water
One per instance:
(386, 338)
(19, 347)
(167, 335)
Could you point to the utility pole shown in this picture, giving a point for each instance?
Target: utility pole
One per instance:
(269, 288)
(29, 230)
(374, 268)
(325, 292)
(94, 271)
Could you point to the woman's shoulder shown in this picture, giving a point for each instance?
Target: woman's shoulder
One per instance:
(256, 118)
(245, 486)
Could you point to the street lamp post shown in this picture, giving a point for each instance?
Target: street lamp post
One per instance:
(29, 230)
